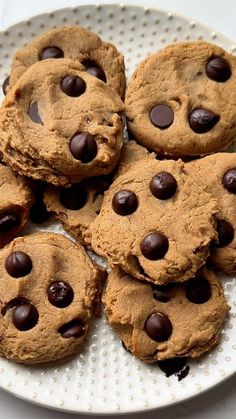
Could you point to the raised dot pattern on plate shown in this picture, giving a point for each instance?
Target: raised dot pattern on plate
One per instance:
(105, 378)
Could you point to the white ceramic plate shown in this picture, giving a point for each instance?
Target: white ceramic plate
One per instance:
(105, 378)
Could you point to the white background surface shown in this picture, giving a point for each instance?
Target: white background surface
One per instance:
(220, 15)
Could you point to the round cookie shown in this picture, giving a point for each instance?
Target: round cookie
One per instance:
(217, 175)
(155, 222)
(174, 100)
(157, 323)
(60, 124)
(47, 293)
(99, 58)
(15, 202)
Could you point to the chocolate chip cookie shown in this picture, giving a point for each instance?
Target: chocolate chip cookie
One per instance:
(60, 124)
(157, 323)
(15, 202)
(48, 288)
(100, 59)
(155, 222)
(217, 174)
(180, 101)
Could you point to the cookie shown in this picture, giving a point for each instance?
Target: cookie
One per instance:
(100, 59)
(217, 175)
(78, 206)
(45, 304)
(59, 124)
(155, 222)
(174, 100)
(15, 202)
(157, 323)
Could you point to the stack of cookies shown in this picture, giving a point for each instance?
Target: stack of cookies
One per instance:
(160, 207)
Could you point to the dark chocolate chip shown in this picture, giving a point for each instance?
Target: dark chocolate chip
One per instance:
(5, 85)
(174, 366)
(218, 69)
(60, 294)
(161, 116)
(8, 222)
(33, 113)
(74, 197)
(124, 202)
(158, 327)
(51, 52)
(18, 264)
(198, 290)
(38, 212)
(95, 70)
(163, 185)
(229, 180)
(83, 147)
(202, 120)
(225, 233)
(74, 329)
(13, 303)
(154, 246)
(160, 292)
(73, 86)
(25, 317)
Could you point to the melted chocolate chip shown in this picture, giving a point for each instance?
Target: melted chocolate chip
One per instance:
(60, 294)
(225, 233)
(202, 120)
(161, 116)
(158, 327)
(175, 366)
(74, 197)
(198, 290)
(229, 180)
(163, 185)
(25, 317)
(73, 86)
(51, 52)
(8, 222)
(154, 246)
(18, 264)
(218, 69)
(124, 202)
(5, 85)
(83, 147)
(38, 212)
(74, 329)
(34, 113)
(95, 70)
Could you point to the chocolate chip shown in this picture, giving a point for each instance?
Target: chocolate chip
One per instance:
(225, 233)
(51, 52)
(218, 69)
(83, 147)
(154, 246)
(198, 290)
(158, 327)
(73, 86)
(163, 185)
(160, 292)
(161, 116)
(74, 329)
(74, 197)
(13, 303)
(229, 180)
(95, 70)
(5, 85)
(33, 113)
(124, 202)
(174, 366)
(8, 222)
(60, 294)
(38, 212)
(202, 120)
(25, 317)
(18, 264)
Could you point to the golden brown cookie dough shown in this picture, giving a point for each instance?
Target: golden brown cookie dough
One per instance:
(180, 101)
(155, 222)
(48, 288)
(217, 175)
(15, 202)
(59, 124)
(98, 57)
(157, 323)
